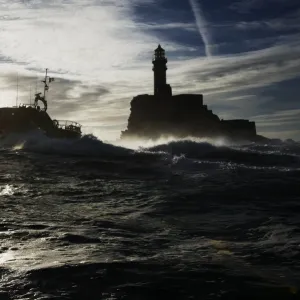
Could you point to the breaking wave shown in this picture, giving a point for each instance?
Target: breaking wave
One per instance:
(87, 145)
(246, 155)
(90, 146)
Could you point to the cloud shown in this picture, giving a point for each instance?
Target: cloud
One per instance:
(239, 72)
(68, 38)
(167, 26)
(284, 124)
(245, 6)
(202, 26)
(279, 117)
(284, 23)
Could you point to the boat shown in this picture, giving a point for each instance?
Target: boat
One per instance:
(27, 117)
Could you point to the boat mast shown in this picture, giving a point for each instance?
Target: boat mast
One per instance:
(17, 89)
(30, 95)
(45, 85)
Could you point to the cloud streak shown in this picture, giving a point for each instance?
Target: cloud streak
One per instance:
(288, 23)
(245, 6)
(233, 73)
(202, 26)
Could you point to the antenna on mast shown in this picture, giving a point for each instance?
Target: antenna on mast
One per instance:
(46, 84)
(30, 95)
(36, 83)
(17, 89)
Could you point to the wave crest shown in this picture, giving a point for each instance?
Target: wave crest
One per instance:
(87, 145)
(207, 151)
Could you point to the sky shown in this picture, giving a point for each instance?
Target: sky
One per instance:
(242, 55)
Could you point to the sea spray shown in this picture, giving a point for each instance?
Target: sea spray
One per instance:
(87, 145)
(166, 148)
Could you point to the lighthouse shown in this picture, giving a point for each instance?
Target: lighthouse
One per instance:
(161, 88)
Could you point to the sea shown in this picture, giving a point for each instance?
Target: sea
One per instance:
(172, 219)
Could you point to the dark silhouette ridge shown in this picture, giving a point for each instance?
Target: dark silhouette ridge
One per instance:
(180, 116)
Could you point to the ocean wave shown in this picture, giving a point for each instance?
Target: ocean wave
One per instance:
(283, 154)
(87, 145)
(207, 151)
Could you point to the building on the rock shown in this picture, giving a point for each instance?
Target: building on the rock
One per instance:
(184, 115)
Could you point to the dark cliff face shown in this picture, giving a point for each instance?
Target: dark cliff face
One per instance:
(181, 116)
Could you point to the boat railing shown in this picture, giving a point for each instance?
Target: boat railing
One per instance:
(25, 105)
(67, 125)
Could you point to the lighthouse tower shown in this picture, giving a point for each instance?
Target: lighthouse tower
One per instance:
(160, 73)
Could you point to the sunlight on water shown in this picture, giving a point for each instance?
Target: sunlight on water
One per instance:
(6, 256)
(7, 190)
(18, 146)
(141, 143)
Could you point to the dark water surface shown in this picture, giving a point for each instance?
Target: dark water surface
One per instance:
(182, 220)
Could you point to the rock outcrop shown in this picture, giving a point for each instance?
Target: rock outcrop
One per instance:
(180, 116)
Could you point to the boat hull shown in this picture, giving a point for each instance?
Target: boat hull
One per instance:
(26, 119)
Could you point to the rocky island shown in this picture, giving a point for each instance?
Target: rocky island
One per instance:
(180, 116)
